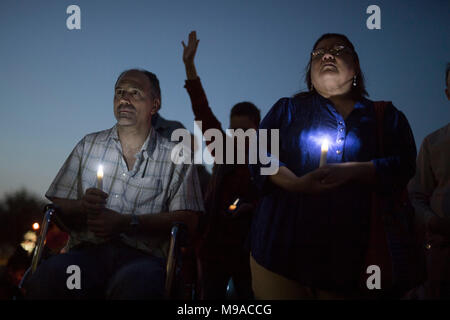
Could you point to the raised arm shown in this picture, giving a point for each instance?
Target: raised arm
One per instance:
(189, 55)
(200, 105)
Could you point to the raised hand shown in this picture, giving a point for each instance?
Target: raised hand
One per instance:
(190, 49)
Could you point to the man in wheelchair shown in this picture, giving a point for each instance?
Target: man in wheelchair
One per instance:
(120, 222)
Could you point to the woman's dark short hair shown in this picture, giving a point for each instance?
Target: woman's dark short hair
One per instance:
(247, 109)
(357, 92)
(154, 82)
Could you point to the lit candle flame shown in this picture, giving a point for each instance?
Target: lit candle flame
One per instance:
(35, 226)
(324, 146)
(234, 205)
(323, 153)
(100, 172)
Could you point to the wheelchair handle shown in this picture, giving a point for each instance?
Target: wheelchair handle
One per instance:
(50, 210)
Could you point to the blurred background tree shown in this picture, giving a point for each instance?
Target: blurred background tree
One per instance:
(18, 211)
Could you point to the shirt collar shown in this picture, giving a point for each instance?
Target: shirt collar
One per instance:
(149, 146)
(110, 134)
(114, 135)
(360, 104)
(147, 149)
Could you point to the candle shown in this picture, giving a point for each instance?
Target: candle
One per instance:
(100, 177)
(234, 205)
(323, 153)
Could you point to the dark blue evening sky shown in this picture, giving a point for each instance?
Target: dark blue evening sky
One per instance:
(57, 84)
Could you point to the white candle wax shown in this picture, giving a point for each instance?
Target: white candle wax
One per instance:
(234, 205)
(100, 177)
(323, 154)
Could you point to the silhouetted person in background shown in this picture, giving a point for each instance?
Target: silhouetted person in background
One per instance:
(222, 253)
(430, 194)
(17, 264)
(165, 128)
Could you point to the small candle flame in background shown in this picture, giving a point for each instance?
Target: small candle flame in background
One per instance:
(36, 226)
(233, 206)
(29, 241)
(100, 177)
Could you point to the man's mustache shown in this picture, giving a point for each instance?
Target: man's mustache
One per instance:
(126, 107)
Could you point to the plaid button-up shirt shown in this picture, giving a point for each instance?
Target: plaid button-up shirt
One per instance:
(155, 184)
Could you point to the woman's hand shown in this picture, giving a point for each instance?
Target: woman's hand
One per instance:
(326, 178)
(313, 183)
(339, 173)
(310, 183)
(343, 173)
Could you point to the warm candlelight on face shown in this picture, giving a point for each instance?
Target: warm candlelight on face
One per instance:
(323, 153)
(234, 205)
(100, 177)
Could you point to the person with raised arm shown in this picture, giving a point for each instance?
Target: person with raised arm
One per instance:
(222, 251)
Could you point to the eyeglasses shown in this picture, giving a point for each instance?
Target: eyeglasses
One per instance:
(335, 51)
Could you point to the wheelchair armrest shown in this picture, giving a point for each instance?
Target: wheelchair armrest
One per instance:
(178, 238)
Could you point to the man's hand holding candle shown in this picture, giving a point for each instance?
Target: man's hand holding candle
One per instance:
(108, 223)
(93, 201)
(103, 222)
(74, 213)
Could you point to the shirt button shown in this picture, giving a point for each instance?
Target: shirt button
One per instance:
(124, 174)
(341, 129)
(116, 195)
(338, 151)
(340, 123)
(340, 140)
